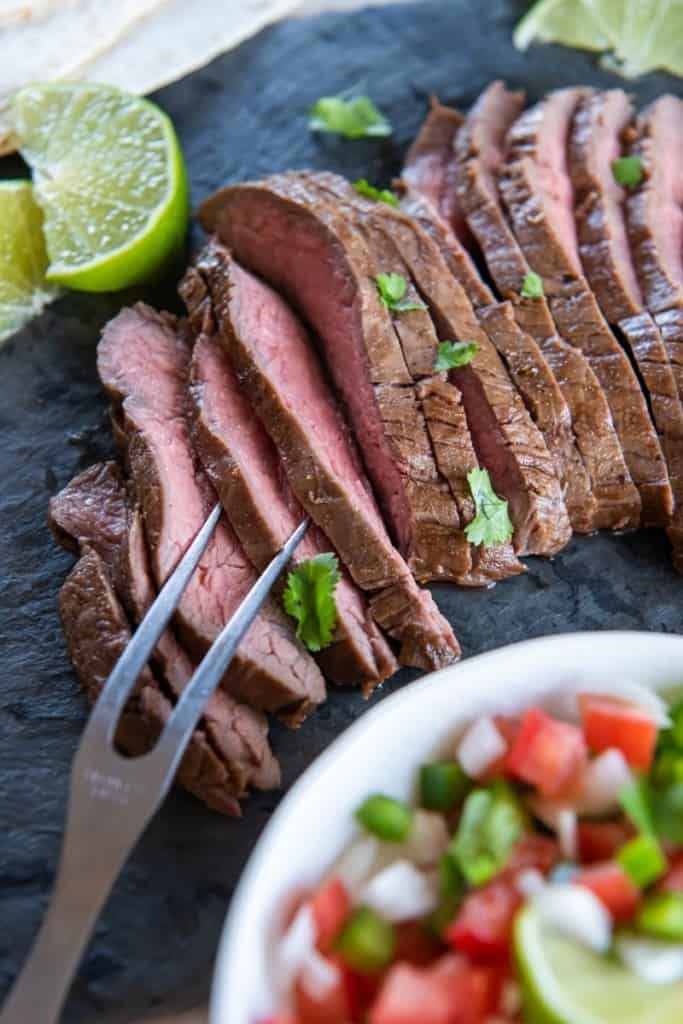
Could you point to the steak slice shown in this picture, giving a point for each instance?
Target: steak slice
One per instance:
(92, 513)
(523, 357)
(600, 493)
(280, 375)
(331, 281)
(243, 465)
(600, 123)
(537, 190)
(655, 221)
(429, 196)
(97, 632)
(143, 364)
(505, 438)
(419, 342)
(655, 209)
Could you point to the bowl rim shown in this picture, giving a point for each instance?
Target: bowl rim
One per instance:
(367, 721)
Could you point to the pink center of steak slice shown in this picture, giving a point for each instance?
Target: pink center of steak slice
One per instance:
(301, 385)
(292, 250)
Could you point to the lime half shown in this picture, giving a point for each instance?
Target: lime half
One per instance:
(109, 175)
(23, 259)
(638, 35)
(565, 983)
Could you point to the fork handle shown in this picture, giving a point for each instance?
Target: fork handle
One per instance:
(83, 884)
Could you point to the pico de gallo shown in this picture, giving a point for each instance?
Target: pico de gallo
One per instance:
(578, 815)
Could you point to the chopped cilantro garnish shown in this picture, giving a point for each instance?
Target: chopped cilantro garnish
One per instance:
(492, 524)
(532, 286)
(392, 288)
(455, 353)
(380, 195)
(353, 117)
(309, 598)
(628, 171)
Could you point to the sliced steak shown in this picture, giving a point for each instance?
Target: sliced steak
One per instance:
(505, 438)
(93, 512)
(455, 457)
(143, 364)
(279, 372)
(429, 196)
(600, 123)
(419, 342)
(600, 493)
(536, 188)
(97, 632)
(523, 357)
(655, 209)
(242, 464)
(330, 279)
(655, 221)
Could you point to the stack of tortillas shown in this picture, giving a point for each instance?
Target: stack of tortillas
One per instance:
(138, 45)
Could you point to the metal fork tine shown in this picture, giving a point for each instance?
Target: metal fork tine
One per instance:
(189, 709)
(121, 682)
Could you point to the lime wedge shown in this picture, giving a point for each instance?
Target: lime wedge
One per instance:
(639, 35)
(570, 22)
(109, 175)
(23, 259)
(565, 983)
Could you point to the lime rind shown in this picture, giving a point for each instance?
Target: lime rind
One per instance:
(110, 177)
(638, 35)
(24, 292)
(566, 983)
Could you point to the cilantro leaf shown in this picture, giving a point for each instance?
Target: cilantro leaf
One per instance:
(383, 195)
(455, 353)
(392, 288)
(532, 286)
(353, 117)
(309, 598)
(492, 524)
(628, 171)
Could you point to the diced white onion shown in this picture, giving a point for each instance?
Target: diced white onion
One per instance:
(567, 833)
(660, 963)
(530, 882)
(400, 893)
(576, 912)
(295, 949)
(318, 976)
(548, 811)
(565, 705)
(357, 864)
(605, 776)
(480, 747)
(428, 839)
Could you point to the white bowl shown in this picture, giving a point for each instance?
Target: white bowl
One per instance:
(381, 752)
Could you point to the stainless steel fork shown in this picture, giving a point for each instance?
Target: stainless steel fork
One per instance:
(112, 799)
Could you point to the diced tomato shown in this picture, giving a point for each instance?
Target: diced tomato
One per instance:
(450, 992)
(673, 879)
(508, 728)
(331, 906)
(361, 990)
(483, 927)
(600, 840)
(613, 887)
(609, 722)
(533, 851)
(286, 1019)
(414, 945)
(330, 1008)
(549, 754)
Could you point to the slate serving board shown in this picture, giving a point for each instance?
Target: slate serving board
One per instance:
(241, 117)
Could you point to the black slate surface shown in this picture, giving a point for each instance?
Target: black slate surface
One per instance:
(240, 117)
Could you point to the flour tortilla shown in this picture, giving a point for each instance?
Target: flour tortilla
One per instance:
(138, 45)
(61, 44)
